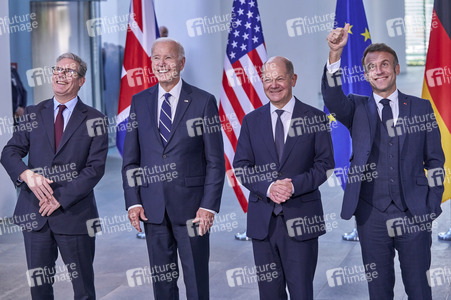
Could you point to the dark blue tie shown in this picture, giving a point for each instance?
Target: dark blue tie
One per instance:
(279, 136)
(165, 119)
(279, 139)
(387, 113)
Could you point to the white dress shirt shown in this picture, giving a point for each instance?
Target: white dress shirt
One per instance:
(70, 105)
(173, 100)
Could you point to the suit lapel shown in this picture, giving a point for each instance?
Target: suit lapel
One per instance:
(76, 118)
(371, 110)
(48, 117)
(182, 106)
(267, 132)
(153, 109)
(404, 112)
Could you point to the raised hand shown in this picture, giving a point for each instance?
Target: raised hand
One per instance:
(337, 39)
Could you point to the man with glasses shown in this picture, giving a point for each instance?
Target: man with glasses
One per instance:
(66, 159)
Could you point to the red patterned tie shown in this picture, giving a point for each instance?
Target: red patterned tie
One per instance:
(59, 126)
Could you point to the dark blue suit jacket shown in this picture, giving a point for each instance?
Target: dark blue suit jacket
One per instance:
(78, 165)
(196, 156)
(306, 158)
(418, 150)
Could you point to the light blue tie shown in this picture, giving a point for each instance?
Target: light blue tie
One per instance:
(165, 119)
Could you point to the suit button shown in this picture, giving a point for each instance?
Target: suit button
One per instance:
(392, 180)
(390, 156)
(367, 153)
(391, 168)
(390, 144)
(164, 156)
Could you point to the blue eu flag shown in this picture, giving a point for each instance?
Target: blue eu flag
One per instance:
(352, 79)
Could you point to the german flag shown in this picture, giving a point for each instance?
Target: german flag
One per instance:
(437, 79)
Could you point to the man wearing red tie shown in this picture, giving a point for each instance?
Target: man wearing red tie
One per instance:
(66, 159)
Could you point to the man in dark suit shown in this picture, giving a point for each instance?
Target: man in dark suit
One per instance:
(394, 138)
(283, 154)
(65, 162)
(173, 172)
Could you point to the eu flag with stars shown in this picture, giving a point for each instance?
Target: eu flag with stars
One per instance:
(353, 80)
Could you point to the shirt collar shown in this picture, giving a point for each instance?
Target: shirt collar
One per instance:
(70, 105)
(393, 97)
(175, 92)
(289, 107)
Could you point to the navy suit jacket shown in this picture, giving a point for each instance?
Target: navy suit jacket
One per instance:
(306, 158)
(187, 173)
(418, 150)
(76, 167)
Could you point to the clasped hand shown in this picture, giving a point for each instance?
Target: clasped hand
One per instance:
(281, 190)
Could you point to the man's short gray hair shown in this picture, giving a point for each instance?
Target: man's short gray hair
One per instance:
(180, 49)
(83, 66)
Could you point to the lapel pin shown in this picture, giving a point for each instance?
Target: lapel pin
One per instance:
(186, 100)
(405, 103)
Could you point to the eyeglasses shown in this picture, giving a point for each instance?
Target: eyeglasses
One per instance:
(68, 72)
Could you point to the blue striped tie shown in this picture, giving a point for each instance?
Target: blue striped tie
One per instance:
(165, 119)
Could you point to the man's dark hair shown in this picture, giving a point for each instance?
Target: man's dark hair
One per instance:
(380, 47)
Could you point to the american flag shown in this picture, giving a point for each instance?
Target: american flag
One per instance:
(137, 72)
(242, 88)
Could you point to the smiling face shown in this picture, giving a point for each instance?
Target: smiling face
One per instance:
(167, 64)
(66, 87)
(277, 82)
(381, 72)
